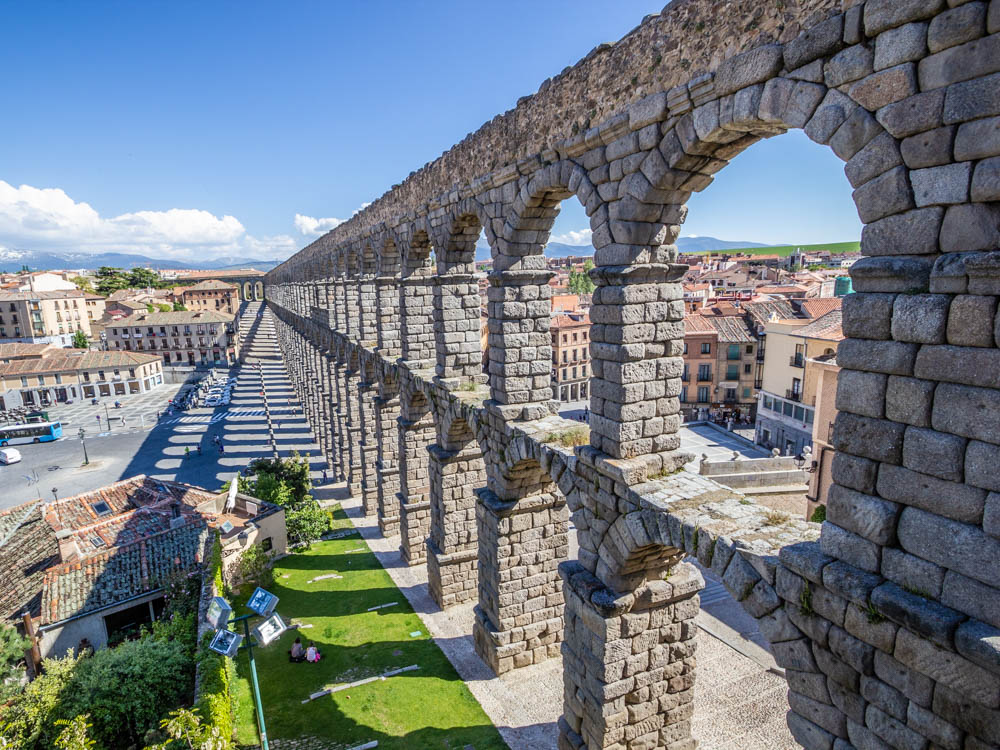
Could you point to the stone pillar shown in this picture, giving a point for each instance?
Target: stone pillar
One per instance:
(368, 303)
(416, 435)
(368, 447)
(519, 618)
(389, 344)
(340, 410)
(352, 308)
(637, 336)
(452, 548)
(628, 662)
(387, 437)
(456, 329)
(520, 356)
(417, 328)
(353, 429)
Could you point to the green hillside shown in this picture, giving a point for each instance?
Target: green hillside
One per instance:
(833, 247)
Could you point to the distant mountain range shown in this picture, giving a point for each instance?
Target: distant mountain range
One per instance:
(684, 244)
(12, 260)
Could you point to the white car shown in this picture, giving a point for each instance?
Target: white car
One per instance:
(213, 401)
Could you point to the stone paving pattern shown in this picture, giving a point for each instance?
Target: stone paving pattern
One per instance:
(888, 624)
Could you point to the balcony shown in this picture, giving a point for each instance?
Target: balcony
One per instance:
(793, 395)
(797, 360)
(704, 377)
(760, 355)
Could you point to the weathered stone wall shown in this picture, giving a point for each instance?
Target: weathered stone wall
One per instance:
(887, 624)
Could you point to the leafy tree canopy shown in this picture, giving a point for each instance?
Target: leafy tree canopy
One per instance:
(80, 340)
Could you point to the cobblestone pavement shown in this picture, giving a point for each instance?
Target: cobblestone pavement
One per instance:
(739, 705)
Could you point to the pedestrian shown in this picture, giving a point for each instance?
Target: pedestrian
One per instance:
(199, 449)
(187, 451)
(123, 421)
(222, 449)
(98, 418)
(324, 476)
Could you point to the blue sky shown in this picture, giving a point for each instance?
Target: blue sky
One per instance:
(197, 130)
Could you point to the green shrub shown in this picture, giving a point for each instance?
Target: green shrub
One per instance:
(819, 515)
(217, 673)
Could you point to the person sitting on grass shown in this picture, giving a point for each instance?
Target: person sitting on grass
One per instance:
(312, 653)
(297, 653)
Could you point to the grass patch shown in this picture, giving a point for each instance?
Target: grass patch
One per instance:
(569, 438)
(427, 708)
(776, 518)
(836, 248)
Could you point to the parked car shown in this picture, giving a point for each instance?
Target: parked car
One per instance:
(212, 401)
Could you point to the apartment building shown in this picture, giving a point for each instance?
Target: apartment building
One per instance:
(210, 294)
(786, 409)
(54, 376)
(43, 317)
(718, 380)
(181, 339)
(571, 356)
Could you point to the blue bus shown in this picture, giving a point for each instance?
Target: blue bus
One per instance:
(35, 432)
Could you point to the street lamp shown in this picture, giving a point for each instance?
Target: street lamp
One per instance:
(55, 491)
(228, 642)
(86, 459)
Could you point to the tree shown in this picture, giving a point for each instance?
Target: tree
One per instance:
(179, 306)
(286, 482)
(75, 736)
(83, 284)
(255, 567)
(580, 282)
(185, 730)
(143, 277)
(80, 340)
(29, 719)
(164, 307)
(110, 280)
(12, 648)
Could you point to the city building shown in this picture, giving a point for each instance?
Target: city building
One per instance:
(786, 410)
(95, 305)
(55, 376)
(182, 339)
(571, 356)
(44, 281)
(249, 281)
(718, 380)
(821, 460)
(93, 566)
(210, 294)
(43, 317)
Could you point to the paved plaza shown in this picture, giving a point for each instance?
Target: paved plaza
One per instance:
(146, 445)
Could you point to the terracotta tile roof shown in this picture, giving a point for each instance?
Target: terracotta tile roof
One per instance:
(732, 329)
(174, 318)
(16, 350)
(762, 312)
(69, 360)
(241, 272)
(695, 323)
(210, 284)
(826, 327)
(781, 289)
(564, 320)
(815, 308)
(20, 296)
(28, 546)
(122, 572)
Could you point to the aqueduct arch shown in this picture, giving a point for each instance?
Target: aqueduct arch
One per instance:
(888, 637)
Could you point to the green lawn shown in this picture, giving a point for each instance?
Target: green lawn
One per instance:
(833, 247)
(426, 708)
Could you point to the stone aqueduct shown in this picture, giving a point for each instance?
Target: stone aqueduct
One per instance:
(885, 619)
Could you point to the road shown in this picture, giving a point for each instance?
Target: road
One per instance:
(159, 451)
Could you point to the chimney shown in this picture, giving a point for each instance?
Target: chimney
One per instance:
(175, 509)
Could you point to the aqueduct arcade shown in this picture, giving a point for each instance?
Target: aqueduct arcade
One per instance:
(887, 618)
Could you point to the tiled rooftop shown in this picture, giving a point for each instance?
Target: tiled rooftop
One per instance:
(66, 360)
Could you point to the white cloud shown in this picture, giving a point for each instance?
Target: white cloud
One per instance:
(310, 226)
(47, 219)
(579, 237)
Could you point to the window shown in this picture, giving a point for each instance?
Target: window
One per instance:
(749, 348)
(733, 351)
(24, 381)
(702, 393)
(131, 372)
(266, 544)
(768, 403)
(684, 395)
(706, 348)
(746, 392)
(685, 375)
(809, 416)
(685, 347)
(704, 372)
(41, 380)
(58, 379)
(732, 372)
(101, 508)
(730, 394)
(786, 408)
(799, 413)
(746, 369)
